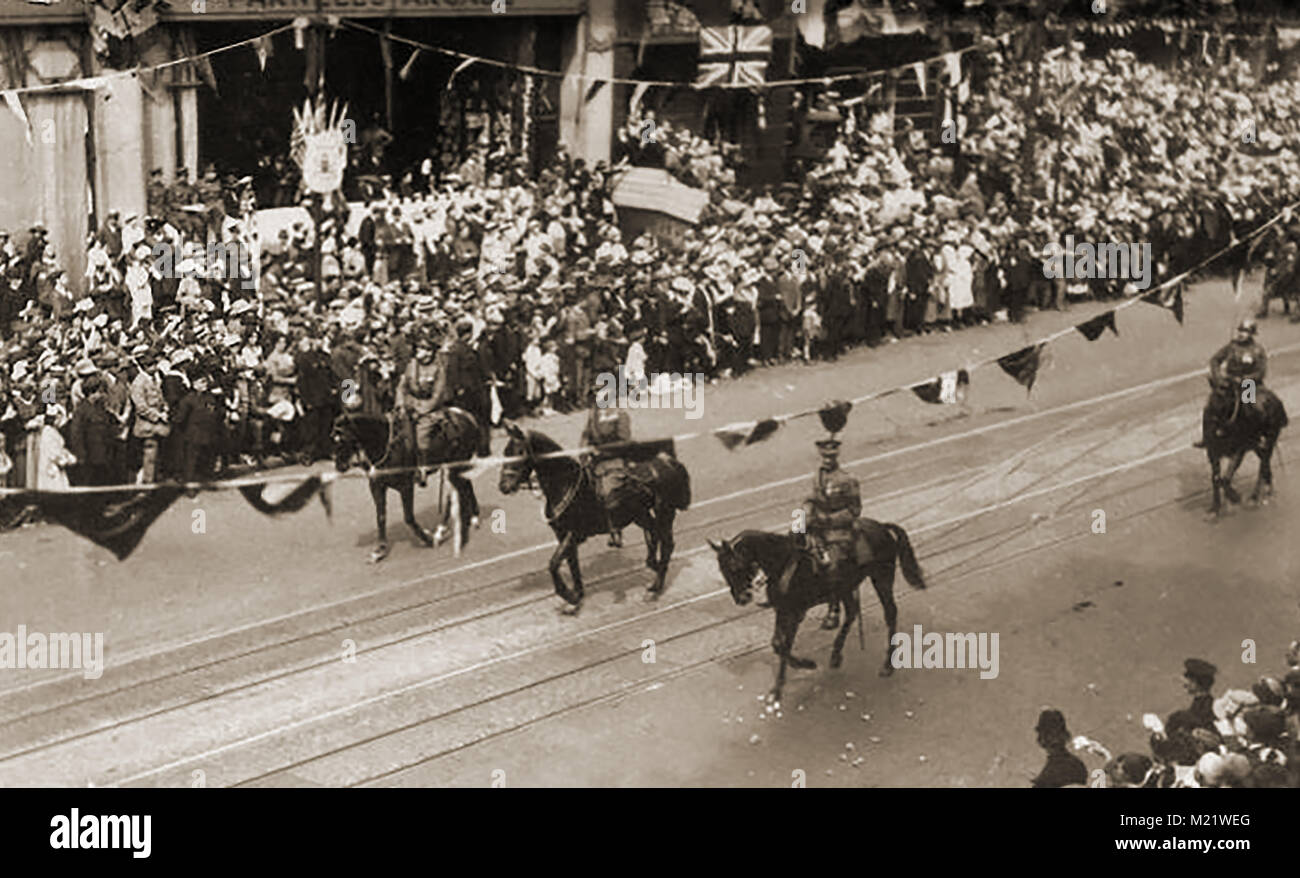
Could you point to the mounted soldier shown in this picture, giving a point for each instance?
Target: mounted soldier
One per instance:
(831, 512)
(416, 398)
(611, 427)
(1232, 365)
(460, 381)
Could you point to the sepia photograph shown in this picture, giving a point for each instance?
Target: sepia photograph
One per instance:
(880, 395)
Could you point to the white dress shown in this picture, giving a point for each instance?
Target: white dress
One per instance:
(960, 275)
(54, 456)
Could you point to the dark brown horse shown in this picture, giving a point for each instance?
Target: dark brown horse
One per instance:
(795, 585)
(386, 446)
(1233, 426)
(659, 488)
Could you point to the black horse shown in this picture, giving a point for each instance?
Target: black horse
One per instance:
(387, 447)
(794, 585)
(659, 488)
(1231, 427)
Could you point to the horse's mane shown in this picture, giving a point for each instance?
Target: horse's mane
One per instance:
(540, 443)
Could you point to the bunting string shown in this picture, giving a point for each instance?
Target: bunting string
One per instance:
(833, 415)
(99, 79)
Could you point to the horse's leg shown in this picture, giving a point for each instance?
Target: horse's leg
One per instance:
(831, 620)
(1229, 491)
(1264, 482)
(664, 519)
(561, 552)
(379, 493)
(1215, 484)
(852, 607)
(782, 651)
(795, 661)
(407, 492)
(884, 585)
(576, 572)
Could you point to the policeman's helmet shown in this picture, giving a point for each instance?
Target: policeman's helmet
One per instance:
(1246, 327)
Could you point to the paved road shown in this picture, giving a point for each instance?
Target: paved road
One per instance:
(268, 652)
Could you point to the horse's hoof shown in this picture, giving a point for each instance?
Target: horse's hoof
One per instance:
(440, 535)
(830, 623)
(651, 595)
(887, 670)
(378, 555)
(837, 659)
(803, 664)
(570, 609)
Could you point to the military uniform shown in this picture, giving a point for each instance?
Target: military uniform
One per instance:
(1230, 366)
(608, 426)
(1236, 361)
(831, 510)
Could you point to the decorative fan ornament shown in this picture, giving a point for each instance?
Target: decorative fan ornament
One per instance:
(319, 144)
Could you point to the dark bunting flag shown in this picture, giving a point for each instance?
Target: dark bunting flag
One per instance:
(293, 501)
(1169, 298)
(948, 388)
(116, 520)
(1023, 364)
(731, 438)
(835, 415)
(1092, 329)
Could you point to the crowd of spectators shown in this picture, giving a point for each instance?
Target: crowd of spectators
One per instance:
(1245, 738)
(186, 368)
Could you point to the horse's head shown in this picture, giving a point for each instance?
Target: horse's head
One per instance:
(1223, 398)
(515, 472)
(344, 442)
(738, 569)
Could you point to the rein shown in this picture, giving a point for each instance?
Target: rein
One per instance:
(569, 495)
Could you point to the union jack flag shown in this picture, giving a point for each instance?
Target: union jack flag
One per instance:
(734, 55)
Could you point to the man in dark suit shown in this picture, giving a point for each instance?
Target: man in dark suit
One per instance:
(1063, 767)
(838, 303)
(92, 433)
(366, 236)
(317, 388)
(199, 426)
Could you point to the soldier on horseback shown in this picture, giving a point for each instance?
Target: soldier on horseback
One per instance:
(1239, 360)
(831, 511)
(607, 425)
(417, 401)
(460, 380)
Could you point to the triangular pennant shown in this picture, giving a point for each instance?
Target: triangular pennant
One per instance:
(1171, 298)
(1092, 329)
(115, 520)
(592, 91)
(949, 388)
(291, 502)
(15, 105)
(733, 437)
(1023, 364)
(835, 416)
(919, 69)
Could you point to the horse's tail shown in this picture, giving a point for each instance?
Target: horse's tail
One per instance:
(906, 557)
(677, 485)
